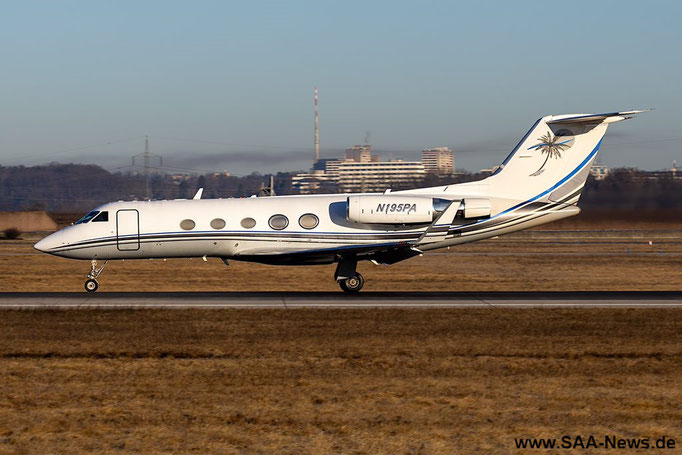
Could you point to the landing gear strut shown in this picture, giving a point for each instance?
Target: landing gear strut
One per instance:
(91, 284)
(349, 280)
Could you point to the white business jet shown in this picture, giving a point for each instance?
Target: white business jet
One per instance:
(540, 181)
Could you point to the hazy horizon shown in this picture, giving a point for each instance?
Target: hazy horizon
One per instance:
(229, 86)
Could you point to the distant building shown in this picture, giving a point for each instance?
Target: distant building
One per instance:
(360, 153)
(323, 177)
(358, 172)
(315, 182)
(327, 165)
(178, 178)
(672, 172)
(439, 160)
(599, 171)
(371, 176)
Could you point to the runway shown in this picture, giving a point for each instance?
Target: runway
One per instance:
(338, 300)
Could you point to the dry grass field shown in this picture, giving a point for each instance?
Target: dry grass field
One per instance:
(334, 381)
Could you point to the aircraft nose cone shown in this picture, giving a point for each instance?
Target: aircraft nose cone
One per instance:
(46, 244)
(41, 245)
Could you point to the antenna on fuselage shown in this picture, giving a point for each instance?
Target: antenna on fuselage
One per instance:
(317, 130)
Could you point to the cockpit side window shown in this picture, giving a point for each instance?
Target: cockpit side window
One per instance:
(103, 216)
(87, 217)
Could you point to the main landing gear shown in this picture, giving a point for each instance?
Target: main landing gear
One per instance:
(353, 284)
(91, 284)
(350, 281)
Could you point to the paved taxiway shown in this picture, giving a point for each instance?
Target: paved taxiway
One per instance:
(184, 300)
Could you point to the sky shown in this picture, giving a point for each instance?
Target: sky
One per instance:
(221, 85)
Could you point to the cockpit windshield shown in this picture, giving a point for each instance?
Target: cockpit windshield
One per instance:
(87, 217)
(103, 216)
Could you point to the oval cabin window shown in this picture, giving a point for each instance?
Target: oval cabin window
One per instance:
(278, 222)
(187, 225)
(248, 223)
(218, 223)
(308, 221)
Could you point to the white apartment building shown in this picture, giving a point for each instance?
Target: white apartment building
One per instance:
(439, 160)
(313, 182)
(599, 171)
(374, 176)
(359, 172)
(361, 154)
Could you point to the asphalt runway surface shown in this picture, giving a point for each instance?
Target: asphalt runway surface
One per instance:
(337, 300)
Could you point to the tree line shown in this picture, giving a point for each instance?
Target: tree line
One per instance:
(77, 188)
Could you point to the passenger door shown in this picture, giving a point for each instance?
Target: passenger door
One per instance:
(128, 230)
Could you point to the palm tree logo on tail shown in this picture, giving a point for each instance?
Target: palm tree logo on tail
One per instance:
(549, 145)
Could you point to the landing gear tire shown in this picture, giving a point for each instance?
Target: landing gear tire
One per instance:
(91, 285)
(353, 284)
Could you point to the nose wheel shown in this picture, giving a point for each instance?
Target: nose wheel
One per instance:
(91, 284)
(353, 284)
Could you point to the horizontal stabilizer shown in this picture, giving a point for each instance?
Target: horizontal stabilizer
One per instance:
(594, 118)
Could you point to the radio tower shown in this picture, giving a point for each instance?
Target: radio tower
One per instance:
(317, 130)
(146, 160)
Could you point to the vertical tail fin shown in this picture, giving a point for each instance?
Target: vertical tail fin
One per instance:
(554, 158)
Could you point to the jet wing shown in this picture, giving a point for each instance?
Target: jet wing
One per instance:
(385, 253)
(440, 227)
(345, 249)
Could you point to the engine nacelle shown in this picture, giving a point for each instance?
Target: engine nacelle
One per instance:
(476, 208)
(392, 209)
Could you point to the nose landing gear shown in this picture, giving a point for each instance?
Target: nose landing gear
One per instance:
(91, 284)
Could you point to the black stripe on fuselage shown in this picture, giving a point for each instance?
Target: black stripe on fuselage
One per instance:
(265, 237)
